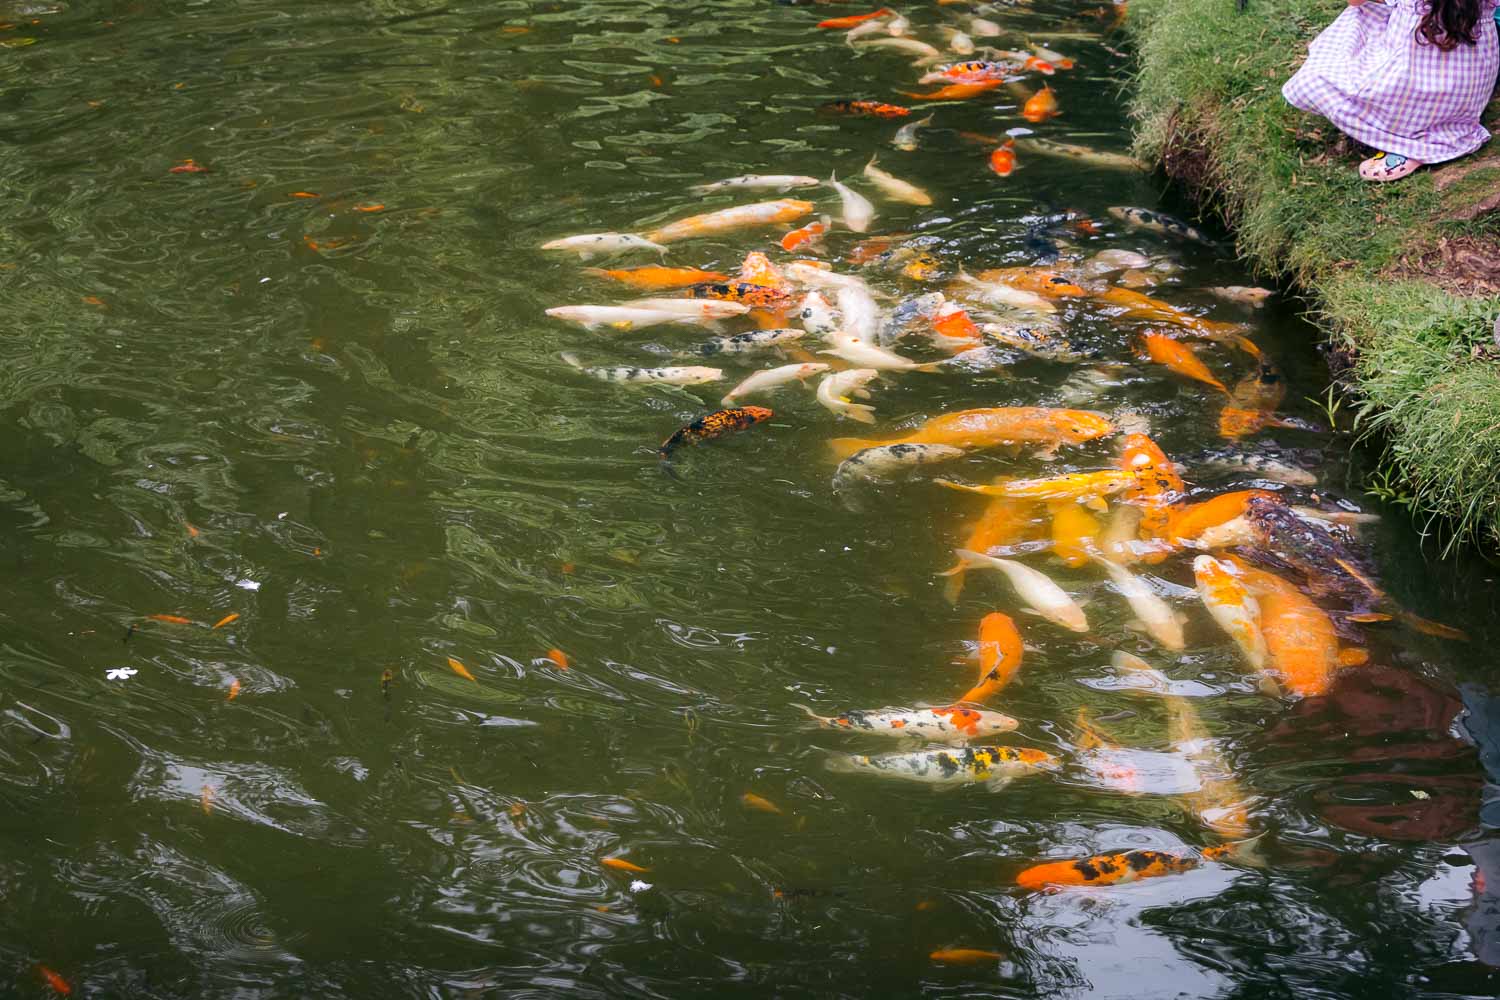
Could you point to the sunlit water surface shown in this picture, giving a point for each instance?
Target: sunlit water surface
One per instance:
(313, 386)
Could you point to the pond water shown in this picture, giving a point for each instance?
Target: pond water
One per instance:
(274, 346)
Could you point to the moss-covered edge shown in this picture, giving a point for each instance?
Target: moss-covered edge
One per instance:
(1207, 104)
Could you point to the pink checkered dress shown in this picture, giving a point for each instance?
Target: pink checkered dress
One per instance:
(1369, 74)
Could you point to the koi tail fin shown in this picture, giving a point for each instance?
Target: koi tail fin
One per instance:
(572, 359)
(954, 588)
(1429, 627)
(861, 412)
(842, 448)
(596, 272)
(814, 716)
(1242, 852)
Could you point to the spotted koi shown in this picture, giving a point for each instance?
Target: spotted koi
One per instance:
(713, 425)
(993, 766)
(950, 724)
(865, 109)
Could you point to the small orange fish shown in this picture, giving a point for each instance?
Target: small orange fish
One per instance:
(559, 658)
(1180, 358)
(1040, 106)
(620, 864)
(713, 425)
(227, 619)
(306, 194)
(58, 983)
(965, 956)
(173, 619)
(93, 300)
(234, 690)
(654, 278)
(753, 801)
(865, 109)
(206, 800)
(372, 206)
(461, 670)
(807, 234)
(188, 167)
(1003, 160)
(1000, 652)
(192, 531)
(850, 20)
(955, 91)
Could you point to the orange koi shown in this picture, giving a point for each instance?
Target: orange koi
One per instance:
(172, 619)
(713, 425)
(1180, 358)
(192, 531)
(1003, 160)
(807, 234)
(753, 801)
(1051, 284)
(559, 658)
(1188, 521)
(1157, 484)
(59, 985)
(227, 619)
(1139, 306)
(957, 324)
(1301, 642)
(964, 956)
(1042, 66)
(955, 91)
(1000, 652)
(1082, 487)
(305, 194)
(370, 206)
(850, 20)
(93, 300)
(758, 270)
(461, 670)
(1073, 532)
(988, 427)
(620, 864)
(1040, 106)
(1004, 522)
(188, 167)
(865, 109)
(655, 278)
(234, 689)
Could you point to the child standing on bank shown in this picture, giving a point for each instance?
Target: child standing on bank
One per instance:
(1409, 77)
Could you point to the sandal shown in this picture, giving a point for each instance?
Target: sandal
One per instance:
(1385, 167)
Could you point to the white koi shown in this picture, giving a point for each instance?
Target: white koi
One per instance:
(859, 314)
(858, 212)
(773, 378)
(1155, 614)
(895, 188)
(1079, 154)
(867, 355)
(745, 182)
(836, 390)
(702, 309)
(908, 45)
(618, 317)
(1001, 294)
(590, 245)
(981, 28)
(1046, 597)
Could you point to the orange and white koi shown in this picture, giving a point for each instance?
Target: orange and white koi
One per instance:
(992, 426)
(752, 801)
(1189, 521)
(965, 956)
(953, 323)
(1301, 642)
(1056, 59)
(1046, 598)
(1179, 358)
(807, 235)
(702, 304)
(1039, 280)
(1041, 106)
(765, 213)
(1028, 62)
(1232, 606)
(1000, 293)
(951, 724)
(658, 278)
(1157, 483)
(995, 767)
(1004, 522)
(593, 244)
(1000, 653)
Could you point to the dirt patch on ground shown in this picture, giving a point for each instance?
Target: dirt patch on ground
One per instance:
(1185, 157)
(1460, 265)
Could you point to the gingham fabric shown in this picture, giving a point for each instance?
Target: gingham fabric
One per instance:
(1371, 75)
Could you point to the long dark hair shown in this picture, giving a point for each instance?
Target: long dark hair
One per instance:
(1448, 22)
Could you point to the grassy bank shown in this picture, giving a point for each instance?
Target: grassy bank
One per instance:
(1406, 277)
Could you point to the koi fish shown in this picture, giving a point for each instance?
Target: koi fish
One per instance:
(1040, 106)
(1081, 154)
(593, 244)
(1189, 521)
(905, 138)
(1252, 405)
(713, 425)
(1002, 294)
(1115, 869)
(752, 801)
(1004, 522)
(1232, 606)
(702, 303)
(1047, 599)
(860, 314)
(867, 355)
(658, 278)
(918, 308)
(955, 91)
(234, 689)
(1083, 487)
(858, 212)
(1056, 59)
(951, 724)
(756, 182)
(1157, 483)
(973, 71)
(461, 670)
(1003, 160)
(1073, 532)
(764, 213)
(171, 619)
(995, 767)
(1156, 222)
(865, 109)
(1138, 306)
(1180, 358)
(835, 390)
(981, 28)
(558, 658)
(953, 322)
(1301, 642)
(1000, 652)
(908, 45)
(58, 984)
(227, 619)
(991, 426)
(850, 20)
(1258, 464)
(620, 318)
(1219, 803)
(661, 376)
(1244, 295)
(1154, 613)
(965, 956)
(876, 463)
(810, 233)
(895, 188)
(756, 340)
(620, 864)
(817, 315)
(772, 378)
(1039, 280)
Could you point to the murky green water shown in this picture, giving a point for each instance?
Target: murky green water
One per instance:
(250, 391)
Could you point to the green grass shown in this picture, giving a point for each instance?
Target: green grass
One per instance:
(1210, 81)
